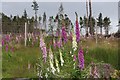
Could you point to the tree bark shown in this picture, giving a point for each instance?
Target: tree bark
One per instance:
(101, 30)
(90, 17)
(87, 18)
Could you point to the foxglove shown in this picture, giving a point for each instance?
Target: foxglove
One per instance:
(52, 67)
(70, 36)
(17, 39)
(77, 31)
(61, 58)
(74, 43)
(56, 62)
(74, 58)
(7, 38)
(29, 37)
(43, 48)
(12, 49)
(93, 71)
(46, 75)
(51, 55)
(59, 43)
(3, 42)
(51, 61)
(64, 34)
(6, 48)
(54, 43)
(81, 59)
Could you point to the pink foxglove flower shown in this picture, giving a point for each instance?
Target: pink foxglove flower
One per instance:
(81, 59)
(43, 48)
(70, 36)
(64, 34)
(6, 48)
(59, 43)
(77, 31)
(94, 71)
(7, 38)
(3, 42)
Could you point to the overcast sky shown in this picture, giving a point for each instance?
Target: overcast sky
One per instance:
(109, 9)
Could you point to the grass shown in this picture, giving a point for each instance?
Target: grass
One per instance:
(105, 55)
(17, 64)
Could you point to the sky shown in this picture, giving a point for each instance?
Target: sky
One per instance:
(59, 0)
(109, 9)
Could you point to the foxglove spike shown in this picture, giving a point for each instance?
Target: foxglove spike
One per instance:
(81, 59)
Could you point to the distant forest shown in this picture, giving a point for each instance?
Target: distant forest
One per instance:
(15, 24)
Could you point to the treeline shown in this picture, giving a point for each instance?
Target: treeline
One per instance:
(15, 24)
